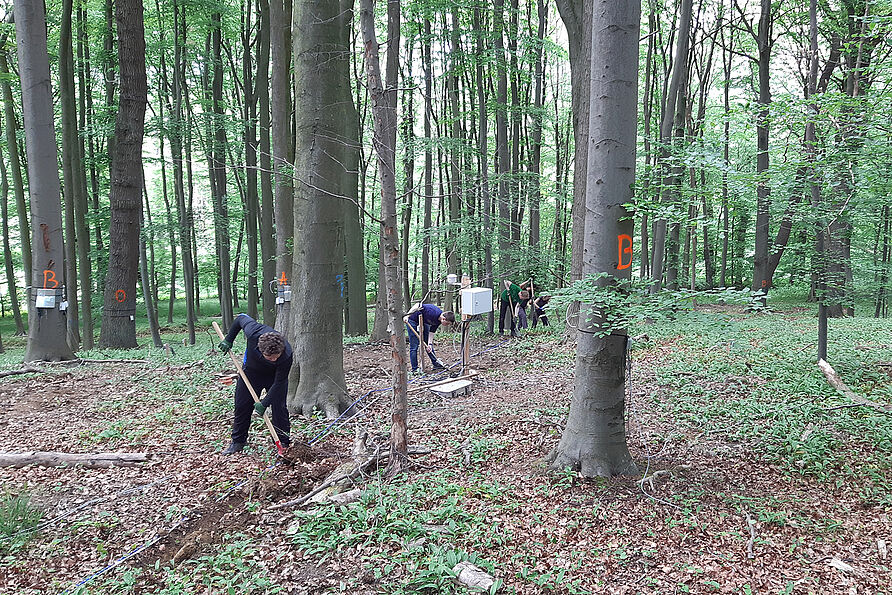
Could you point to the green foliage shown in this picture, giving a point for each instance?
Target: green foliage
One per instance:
(753, 378)
(18, 516)
(411, 529)
(619, 304)
(233, 567)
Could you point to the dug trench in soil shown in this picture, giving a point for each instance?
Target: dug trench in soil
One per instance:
(206, 526)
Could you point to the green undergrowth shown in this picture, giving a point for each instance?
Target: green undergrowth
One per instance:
(753, 378)
(233, 567)
(410, 535)
(18, 518)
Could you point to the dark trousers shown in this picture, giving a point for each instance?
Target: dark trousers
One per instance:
(414, 344)
(505, 309)
(244, 407)
(539, 315)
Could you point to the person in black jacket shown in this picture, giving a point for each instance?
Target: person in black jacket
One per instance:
(268, 359)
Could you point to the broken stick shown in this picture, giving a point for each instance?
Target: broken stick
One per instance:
(62, 459)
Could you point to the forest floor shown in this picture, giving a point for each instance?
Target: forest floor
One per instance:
(759, 477)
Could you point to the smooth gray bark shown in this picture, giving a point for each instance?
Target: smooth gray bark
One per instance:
(315, 329)
(594, 440)
(46, 326)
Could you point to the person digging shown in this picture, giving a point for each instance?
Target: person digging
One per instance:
(267, 362)
(422, 324)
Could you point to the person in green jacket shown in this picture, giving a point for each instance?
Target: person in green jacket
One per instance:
(511, 296)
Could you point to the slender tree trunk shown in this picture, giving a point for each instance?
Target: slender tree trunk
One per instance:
(7, 250)
(184, 211)
(384, 114)
(125, 198)
(146, 283)
(428, 162)
(503, 157)
(217, 152)
(486, 200)
(407, 129)
(15, 162)
(252, 200)
(46, 321)
(267, 235)
(357, 313)
(71, 161)
(538, 101)
(679, 71)
(761, 278)
(283, 145)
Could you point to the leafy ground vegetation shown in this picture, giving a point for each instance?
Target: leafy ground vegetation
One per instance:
(758, 476)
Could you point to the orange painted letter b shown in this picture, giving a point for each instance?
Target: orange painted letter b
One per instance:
(50, 277)
(623, 246)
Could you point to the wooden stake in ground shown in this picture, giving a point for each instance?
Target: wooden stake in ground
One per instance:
(266, 415)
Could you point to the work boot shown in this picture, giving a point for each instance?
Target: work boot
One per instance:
(234, 448)
(438, 366)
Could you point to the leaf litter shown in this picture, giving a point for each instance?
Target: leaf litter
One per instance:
(710, 499)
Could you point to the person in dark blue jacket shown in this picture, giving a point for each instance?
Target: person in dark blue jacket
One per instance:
(424, 322)
(268, 359)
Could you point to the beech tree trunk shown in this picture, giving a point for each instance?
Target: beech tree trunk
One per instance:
(7, 250)
(357, 313)
(594, 441)
(384, 115)
(15, 162)
(315, 328)
(280, 15)
(125, 198)
(267, 229)
(46, 325)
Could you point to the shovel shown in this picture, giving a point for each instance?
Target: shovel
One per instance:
(238, 367)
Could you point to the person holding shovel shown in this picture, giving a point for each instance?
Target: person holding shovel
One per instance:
(511, 297)
(268, 359)
(422, 323)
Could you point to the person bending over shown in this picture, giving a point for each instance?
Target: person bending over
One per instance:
(510, 297)
(268, 359)
(539, 312)
(421, 325)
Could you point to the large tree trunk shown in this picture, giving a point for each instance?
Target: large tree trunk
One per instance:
(280, 15)
(384, 114)
(46, 325)
(315, 328)
(125, 198)
(594, 441)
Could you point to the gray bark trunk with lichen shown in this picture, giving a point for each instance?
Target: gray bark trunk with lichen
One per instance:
(315, 330)
(594, 441)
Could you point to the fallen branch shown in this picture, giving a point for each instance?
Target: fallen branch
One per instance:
(749, 544)
(62, 459)
(333, 480)
(23, 370)
(837, 383)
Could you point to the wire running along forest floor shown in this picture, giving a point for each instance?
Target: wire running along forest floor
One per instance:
(758, 484)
